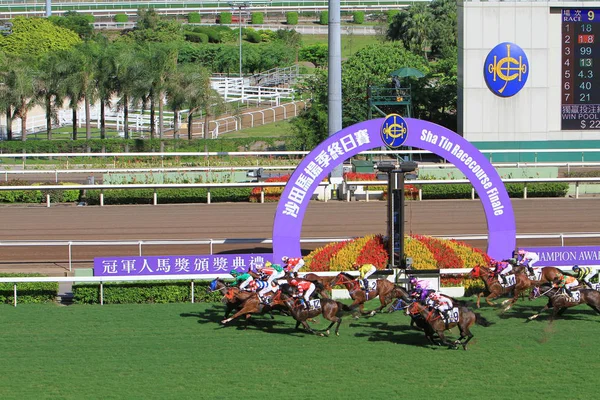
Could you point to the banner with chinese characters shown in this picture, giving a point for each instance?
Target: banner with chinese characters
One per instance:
(178, 265)
(566, 256)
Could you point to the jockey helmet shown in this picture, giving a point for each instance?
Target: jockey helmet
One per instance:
(522, 252)
(285, 258)
(268, 264)
(576, 268)
(413, 280)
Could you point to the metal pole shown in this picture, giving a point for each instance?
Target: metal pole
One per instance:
(390, 207)
(240, 25)
(335, 79)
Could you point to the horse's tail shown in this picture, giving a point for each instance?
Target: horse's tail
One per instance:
(480, 320)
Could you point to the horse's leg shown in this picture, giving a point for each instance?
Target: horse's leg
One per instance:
(297, 324)
(445, 341)
(538, 314)
(244, 310)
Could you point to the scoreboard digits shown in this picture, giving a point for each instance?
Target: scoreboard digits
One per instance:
(580, 69)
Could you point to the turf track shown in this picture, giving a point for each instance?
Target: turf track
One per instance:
(180, 351)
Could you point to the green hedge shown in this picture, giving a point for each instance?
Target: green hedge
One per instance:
(515, 190)
(252, 36)
(257, 18)
(28, 293)
(390, 15)
(225, 18)
(169, 196)
(194, 18)
(324, 18)
(196, 37)
(358, 17)
(121, 18)
(37, 196)
(143, 292)
(291, 18)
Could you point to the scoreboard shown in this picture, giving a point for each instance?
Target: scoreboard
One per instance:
(580, 69)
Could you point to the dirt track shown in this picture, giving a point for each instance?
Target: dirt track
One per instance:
(235, 220)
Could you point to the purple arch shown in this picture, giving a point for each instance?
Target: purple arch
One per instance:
(350, 141)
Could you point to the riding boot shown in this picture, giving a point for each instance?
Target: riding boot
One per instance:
(531, 273)
(503, 279)
(366, 284)
(568, 292)
(588, 284)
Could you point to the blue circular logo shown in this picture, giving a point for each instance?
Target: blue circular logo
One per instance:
(506, 69)
(394, 131)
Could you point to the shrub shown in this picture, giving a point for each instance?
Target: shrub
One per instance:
(60, 196)
(358, 17)
(121, 18)
(225, 18)
(390, 15)
(257, 18)
(252, 36)
(194, 18)
(291, 18)
(196, 37)
(272, 194)
(324, 18)
(28, 292)
(143, 292)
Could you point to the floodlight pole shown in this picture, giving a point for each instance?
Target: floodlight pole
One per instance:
(239, 6)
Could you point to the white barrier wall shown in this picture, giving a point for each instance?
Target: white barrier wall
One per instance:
(534, 113)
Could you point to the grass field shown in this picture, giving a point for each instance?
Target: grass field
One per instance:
(163, 351)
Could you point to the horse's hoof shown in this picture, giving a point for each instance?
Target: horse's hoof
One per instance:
(337, 334)
(372, 313)
(327, 332)
(224, 321)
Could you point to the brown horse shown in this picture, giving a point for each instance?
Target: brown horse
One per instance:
(231, 303)
(547, 273)
(559, 301)
(385, 291)
(250, 303)
(466, 319)
(319, 287)
(324, 281)
(493, 286)
(332, 310)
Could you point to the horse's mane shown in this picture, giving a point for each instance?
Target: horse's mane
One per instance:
(347, 275)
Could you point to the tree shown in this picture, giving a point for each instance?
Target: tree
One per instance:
(150, 27)
(76, 22)
(317, 54)
(21, 82)
(32, 37)
(51, 87)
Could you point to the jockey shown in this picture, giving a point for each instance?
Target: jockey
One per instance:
(584, 274)
(565, 283)
(305, 289)
(440, 303)
(365, 271)
(527, 258)
(242, 279)
(273, 271)
(292, 265)
(420, 287)
(503, 268)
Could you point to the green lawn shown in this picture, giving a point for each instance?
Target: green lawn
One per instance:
(350, 43)
(164, 351)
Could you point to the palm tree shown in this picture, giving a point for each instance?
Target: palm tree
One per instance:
(199, 95)
(21, 80)
(51, 87)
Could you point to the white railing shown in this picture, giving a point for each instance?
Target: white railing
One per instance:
(576, 181)
(162, 170)
(262, 185)
(388, 153)
(141, 244)
(155, 187)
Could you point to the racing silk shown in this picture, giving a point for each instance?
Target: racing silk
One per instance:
(254, 285)
(501, 266)
(276, 267)
(302, 285)
(271, 270)
(364, 270)
(583, 273)
(241, 278)
(528, 258)
(422, 284)
(291, 263)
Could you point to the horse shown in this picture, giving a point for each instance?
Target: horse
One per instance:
(435, 324)
(493, 286)
(250, 303)
(324, 281)
(560, 301)
(547, 273)
(218, 285)
(332, 310)
(385, 291)
(319, 287)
